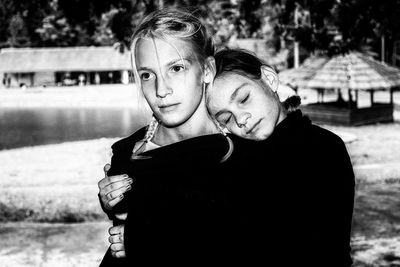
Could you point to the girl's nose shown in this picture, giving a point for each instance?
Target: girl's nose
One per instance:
(242, 120)
(163, 89)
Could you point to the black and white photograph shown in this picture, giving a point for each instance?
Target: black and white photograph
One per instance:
(199, 133)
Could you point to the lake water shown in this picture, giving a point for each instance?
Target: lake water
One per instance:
(20, 127)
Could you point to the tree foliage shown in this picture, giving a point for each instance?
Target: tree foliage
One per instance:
(333, 26)
(337, 26)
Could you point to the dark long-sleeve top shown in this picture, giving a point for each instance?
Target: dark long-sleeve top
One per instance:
(285, 201)
(178, 204)
(303, 194)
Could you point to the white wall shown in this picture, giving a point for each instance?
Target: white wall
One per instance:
(44, 78)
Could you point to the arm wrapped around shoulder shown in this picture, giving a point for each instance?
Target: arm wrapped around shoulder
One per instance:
(114, 187)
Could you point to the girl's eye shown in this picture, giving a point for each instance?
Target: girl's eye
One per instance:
(177, 68)
(245, 99)
(146, 76)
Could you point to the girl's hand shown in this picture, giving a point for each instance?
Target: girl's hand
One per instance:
(112, 188)
(117, 241)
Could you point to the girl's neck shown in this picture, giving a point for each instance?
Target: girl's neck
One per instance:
(282, 113)
(200, 123)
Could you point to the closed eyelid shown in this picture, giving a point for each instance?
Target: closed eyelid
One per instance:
(241, 89)
(244, 97)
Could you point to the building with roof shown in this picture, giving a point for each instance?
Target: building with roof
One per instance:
(34, 67)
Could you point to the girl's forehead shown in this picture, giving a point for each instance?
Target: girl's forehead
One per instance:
(163, 50)
(231, 77)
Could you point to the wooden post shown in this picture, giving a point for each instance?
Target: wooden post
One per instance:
(371, 95)
(383, 48)
(349, 96)
(391, 96)
(97, 80)
(2, 80)
(125, 77)
(296, 44)
(356, 92)
(296, 54)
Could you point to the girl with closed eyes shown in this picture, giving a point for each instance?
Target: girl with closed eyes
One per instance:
(308, 173)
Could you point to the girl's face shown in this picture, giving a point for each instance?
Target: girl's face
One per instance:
(171, 81)
(247, 108)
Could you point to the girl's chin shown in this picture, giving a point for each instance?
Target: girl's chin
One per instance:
(171, 122)
(261, 135)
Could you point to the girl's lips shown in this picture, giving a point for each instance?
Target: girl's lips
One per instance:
(169, 107)
(253, 128)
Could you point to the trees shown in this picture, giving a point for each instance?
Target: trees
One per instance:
(337, 26)
(18, 21)
(332, 26)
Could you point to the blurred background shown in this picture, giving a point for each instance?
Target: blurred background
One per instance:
(67, 93)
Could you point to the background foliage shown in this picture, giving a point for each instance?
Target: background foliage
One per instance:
(328, 26)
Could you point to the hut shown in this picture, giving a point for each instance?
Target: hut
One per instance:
(354, 74)
(33, 67)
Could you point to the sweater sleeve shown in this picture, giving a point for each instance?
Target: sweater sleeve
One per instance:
(117, 167)
(338, 204)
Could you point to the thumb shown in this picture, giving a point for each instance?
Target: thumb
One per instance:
(106, 168)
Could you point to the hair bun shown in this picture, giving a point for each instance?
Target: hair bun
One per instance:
(292, 103)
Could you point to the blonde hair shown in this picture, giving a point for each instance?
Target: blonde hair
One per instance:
(173, 23)
(179, 24)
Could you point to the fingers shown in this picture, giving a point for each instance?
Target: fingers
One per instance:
(111, 189)
(115, 230)
(118, 254)
(121, 216)
(106, 168)
(117, 250)
(117, 188)
(117, 241)
(112, 194)
(110, 204)
(111, 179)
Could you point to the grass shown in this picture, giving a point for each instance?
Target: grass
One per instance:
(377, 143)
(376, 222)
(57, 183)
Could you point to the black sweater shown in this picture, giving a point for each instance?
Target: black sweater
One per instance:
(299, 206)
(179, 204)
(285, 201)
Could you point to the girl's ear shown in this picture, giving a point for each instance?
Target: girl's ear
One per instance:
(209, 70)
(269, 75)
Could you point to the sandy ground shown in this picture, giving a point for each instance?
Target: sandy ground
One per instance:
(41, 180)
(53, 245)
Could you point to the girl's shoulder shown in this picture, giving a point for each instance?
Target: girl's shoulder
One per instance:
(204, 148)
(324, 136)
(127, 143)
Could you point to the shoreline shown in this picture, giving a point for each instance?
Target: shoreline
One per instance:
(92, 96)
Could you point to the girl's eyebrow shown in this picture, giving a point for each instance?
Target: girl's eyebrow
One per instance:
(179, 59)
(232, 98)
(144, 68)
(236, 92)
(174, 61)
